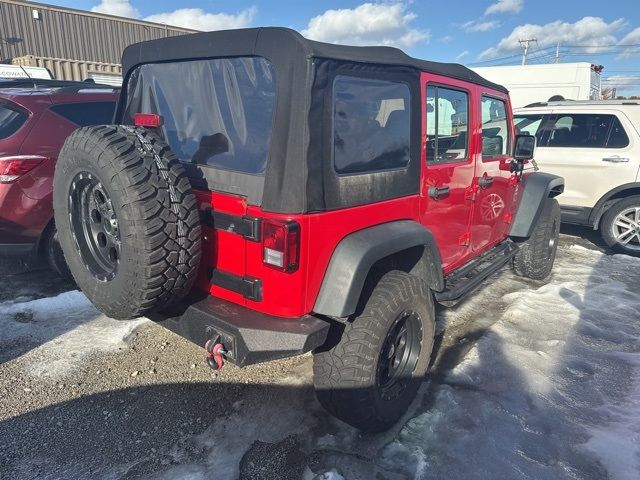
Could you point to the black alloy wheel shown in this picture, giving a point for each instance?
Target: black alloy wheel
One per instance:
(399, 355)
(94, 226)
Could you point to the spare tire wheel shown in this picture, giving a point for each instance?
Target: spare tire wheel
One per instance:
(128, 220)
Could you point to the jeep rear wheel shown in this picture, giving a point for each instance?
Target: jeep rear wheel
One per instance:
(371, 376)
(535, 256)
(127, 219)
(620, 226)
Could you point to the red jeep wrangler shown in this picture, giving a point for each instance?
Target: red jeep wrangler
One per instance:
(264, 195)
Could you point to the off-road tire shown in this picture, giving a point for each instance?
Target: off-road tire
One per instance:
(346, 376)
(157, 218)
(536, 255)
(55, 256)
(607, 225)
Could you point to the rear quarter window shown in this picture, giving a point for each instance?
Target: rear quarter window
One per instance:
(371, 125)
(11, 119)
(86, 114)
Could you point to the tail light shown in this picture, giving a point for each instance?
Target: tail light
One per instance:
(281, 245)
(13, 167)
(147, 120)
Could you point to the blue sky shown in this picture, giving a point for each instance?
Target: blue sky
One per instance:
(467, 31)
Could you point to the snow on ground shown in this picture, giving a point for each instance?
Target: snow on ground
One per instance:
(58, 332)
(550, 391)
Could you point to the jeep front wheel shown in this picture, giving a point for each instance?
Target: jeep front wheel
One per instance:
(128, 221)
(535, 256)
(620, 226)
(371, 376)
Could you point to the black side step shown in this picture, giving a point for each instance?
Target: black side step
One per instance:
(466, 279)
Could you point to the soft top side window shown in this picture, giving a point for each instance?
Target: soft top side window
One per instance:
(371, 125)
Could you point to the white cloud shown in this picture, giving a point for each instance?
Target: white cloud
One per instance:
(447, 39)
(622, 82)
(194, 18)
(121, 8)
(367, 24)
(632, 38)
(504, 6)
(592, 31)
(198, 19)
(478, 26)
(462, 55)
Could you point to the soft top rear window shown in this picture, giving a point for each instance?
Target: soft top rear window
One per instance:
(216, 112)
(11, 119)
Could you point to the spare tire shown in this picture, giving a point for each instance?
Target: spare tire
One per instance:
(127, 218)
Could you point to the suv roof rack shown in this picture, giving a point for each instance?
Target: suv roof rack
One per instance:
(582, 102)
(64, 85)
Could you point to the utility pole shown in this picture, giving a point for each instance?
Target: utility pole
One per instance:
(524, 45)
(557, 57)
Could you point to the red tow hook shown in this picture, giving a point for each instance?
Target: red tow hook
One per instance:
(215, 354)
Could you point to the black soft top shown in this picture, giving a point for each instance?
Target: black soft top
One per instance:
(257, 41)
(299, 174)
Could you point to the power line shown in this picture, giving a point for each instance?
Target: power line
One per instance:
(557, 50)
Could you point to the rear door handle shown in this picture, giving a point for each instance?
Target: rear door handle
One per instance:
(439, 192)
(485, 182)
(615, 159)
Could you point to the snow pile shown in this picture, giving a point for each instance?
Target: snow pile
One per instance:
(552, 390)
(60, 332)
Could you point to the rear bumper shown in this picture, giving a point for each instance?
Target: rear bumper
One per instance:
(248, 336)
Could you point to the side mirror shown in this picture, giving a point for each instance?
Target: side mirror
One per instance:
(524, 148)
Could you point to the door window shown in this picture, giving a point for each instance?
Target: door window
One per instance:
(585, 130)
(447, 125)
(496, 137)
(371, 125)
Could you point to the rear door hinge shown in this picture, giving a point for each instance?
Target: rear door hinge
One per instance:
(249, 287)
(248, 227)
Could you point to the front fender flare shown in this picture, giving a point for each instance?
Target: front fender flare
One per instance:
(538, 186)
(357, 253)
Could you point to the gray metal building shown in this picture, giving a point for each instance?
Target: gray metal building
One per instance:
(72, 44)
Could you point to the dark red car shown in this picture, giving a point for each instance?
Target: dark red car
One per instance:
(35, 119)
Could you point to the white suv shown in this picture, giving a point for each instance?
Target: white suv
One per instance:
(595, 146)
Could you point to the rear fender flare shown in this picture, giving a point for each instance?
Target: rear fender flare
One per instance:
(354, 256)
(538, 186)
